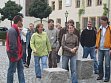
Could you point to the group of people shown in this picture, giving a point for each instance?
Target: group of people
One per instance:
(45, 44)
(98, 42)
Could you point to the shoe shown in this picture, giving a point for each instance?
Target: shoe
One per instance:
(38, 77)
(99, 78)
(106, 80)
(26, 66)
(96, 72)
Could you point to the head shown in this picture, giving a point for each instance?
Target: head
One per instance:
(71, 29)
(50, 23)
(58, 26)
(89, 24)
(20, 27)
(31, 26)
(39, 28)
(104, 21)
(18, 20)
(70, 22)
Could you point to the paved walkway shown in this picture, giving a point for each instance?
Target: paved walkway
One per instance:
(29, 72)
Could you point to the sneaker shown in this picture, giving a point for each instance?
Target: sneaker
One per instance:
(99, 78)
(26, 66)
(106, 80)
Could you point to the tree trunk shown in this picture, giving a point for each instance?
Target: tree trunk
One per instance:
(41, 20)
(11, 23)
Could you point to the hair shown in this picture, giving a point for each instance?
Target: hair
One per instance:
(71, 21)
(104, 18)
(17, 18)
(71, 25)
(50, 20)
(31, 24)
(37, 26)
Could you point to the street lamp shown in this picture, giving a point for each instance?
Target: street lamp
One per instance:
(66, 15)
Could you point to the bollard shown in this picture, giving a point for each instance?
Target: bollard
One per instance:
(55, 75)
(84, 68)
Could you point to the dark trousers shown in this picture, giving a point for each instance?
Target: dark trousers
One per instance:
(29, 55)
(52, 59)
(24, 52)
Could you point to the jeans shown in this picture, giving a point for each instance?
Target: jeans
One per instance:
(24, 52)
(65, 61)
(91, 51)
(38, 69)
(12, 70)
(101, 55)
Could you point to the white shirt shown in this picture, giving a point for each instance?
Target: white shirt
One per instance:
(23, 34)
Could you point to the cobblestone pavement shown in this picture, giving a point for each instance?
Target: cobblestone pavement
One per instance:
(29, 72)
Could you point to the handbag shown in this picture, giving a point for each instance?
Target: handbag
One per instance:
(60, 49)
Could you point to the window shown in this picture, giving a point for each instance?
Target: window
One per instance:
(58, 20)
(93, 19)
(98, 22)
(89, 2)
(77, 3)
(84, 22)
(60, 5)
(99, 2)
(68, 3)
(53, 5)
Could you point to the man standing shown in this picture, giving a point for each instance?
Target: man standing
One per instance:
(53, 38)
(30, 31)
(88, 41)
(103, 44)
(14, 51)
(23, 38)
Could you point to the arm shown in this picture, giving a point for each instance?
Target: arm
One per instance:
(12, 36)
(32, 43)
(82, 39)
(48, 43)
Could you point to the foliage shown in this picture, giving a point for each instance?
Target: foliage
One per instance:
(81, 11)
(10, 10)
(106, 10)
(40, 9)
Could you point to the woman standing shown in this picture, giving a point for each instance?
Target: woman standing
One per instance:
(41, 47)
(70, 47)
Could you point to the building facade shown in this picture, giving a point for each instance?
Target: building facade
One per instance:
(79, 10)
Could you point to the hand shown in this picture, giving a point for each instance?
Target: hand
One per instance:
(73, 50)
(35, 51)
(96, 50)
(110, 52)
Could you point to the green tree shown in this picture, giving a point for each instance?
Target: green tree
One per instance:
(106, 10)
(40, 9)
(10, 10)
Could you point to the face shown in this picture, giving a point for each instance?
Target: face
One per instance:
(89, 25)
(40, 28)
(71, 29)
(51, 24)
(103, 23)
(19, 24)
(31, 26)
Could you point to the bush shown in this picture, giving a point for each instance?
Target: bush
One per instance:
(3, 32)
